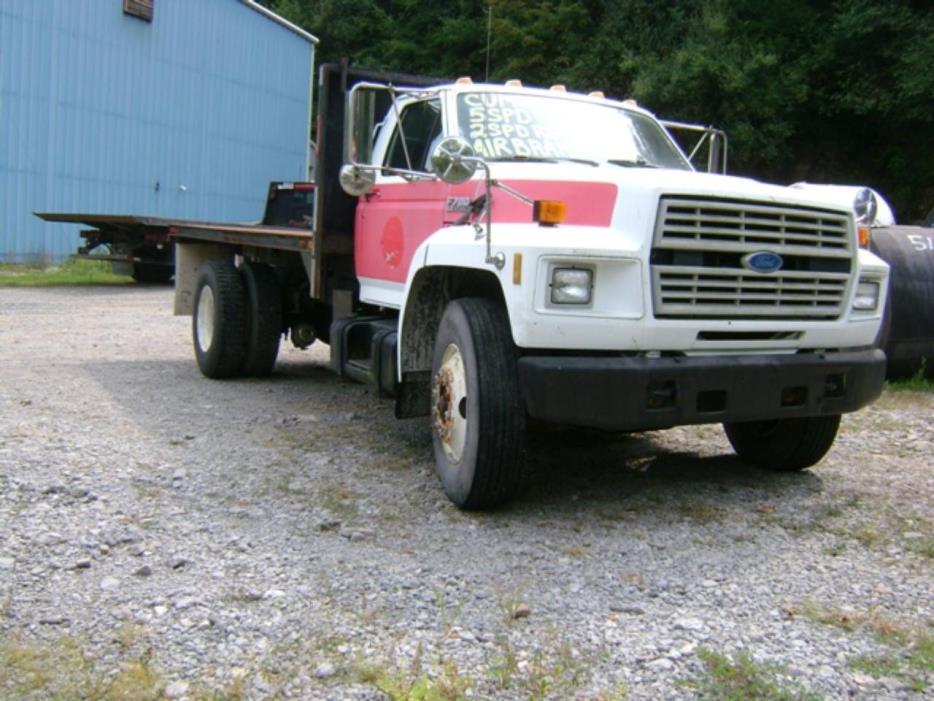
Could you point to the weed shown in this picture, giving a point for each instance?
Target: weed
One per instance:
(702, 513)
(874, 620)
(448, 685)
(742, 679)
(912, 667)
(620, 693)
(921, 546)
(505, 665)
(919, 382)
(578, 552)
(338, 499)
(877, 665)
(513, 606)
(912, 656)
(557, 675)
(62, 671)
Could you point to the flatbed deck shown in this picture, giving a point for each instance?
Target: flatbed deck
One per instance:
(246, 234)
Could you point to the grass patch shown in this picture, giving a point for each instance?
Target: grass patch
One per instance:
(911, 658)
(740, 678)
(915, 383)
(72, 272)
(874, 620)
(912, 665)
(63, 671)
(414, 684)
(919, 382)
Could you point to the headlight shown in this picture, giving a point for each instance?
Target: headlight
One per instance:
(867, 296)
(865, 206)
(571, 286)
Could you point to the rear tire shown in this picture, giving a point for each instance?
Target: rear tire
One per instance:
(478, 419)
(218, 325)
(264, 319)
(784, 445)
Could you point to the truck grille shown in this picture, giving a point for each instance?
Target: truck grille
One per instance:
(700, 245)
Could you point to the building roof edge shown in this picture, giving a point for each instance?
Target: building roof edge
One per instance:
(269, 14)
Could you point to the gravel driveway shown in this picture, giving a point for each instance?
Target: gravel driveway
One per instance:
(287, 538)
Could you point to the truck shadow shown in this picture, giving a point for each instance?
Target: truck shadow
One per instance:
(576, 469)
(570, 471)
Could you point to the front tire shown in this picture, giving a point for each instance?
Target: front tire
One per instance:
(784, 445)
(218, 325)
(478, 420)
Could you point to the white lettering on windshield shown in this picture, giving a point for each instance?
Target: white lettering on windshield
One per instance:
(498, 128)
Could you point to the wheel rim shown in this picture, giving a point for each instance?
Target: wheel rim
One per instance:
(205, 323)
(449, 403)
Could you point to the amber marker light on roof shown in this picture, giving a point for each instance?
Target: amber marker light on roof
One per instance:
(464, 80)
(549, 212)
(596, 93)
(514, 83)
(558, 88)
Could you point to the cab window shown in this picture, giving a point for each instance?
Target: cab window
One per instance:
(420, 124)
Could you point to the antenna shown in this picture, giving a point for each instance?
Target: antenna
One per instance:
(489, 33)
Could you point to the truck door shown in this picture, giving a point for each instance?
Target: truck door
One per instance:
(398, 214)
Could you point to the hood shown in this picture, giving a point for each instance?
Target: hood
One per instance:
(651, 183)
(663, 181)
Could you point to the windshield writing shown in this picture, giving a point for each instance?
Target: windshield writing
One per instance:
(504, 126)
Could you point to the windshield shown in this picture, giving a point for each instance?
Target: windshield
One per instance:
(508, 126)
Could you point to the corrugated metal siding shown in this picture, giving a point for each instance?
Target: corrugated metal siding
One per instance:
(187, 116)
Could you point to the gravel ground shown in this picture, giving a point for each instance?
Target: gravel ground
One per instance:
(287, 538)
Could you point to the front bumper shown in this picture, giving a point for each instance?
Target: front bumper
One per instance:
(623, 393)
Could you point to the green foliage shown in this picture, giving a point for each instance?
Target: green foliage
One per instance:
(837, 92)
(62, 671)
(72, 272)
(742, 679)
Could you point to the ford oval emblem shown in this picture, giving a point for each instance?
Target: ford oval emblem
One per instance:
(763, 262)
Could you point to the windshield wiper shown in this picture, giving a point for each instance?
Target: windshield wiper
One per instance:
(631, 163)
(543, 159)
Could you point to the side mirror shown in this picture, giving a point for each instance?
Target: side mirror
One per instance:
(357, 180)
(454, 160)
(359, 118)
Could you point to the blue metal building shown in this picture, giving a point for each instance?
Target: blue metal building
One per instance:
(187, 113)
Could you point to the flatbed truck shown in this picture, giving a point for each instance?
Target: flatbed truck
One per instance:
(486, 255)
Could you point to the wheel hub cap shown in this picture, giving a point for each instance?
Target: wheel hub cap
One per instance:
(205, 318)
(449, 403)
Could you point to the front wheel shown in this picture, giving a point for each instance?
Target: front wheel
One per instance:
(785, 445)
(478, 419)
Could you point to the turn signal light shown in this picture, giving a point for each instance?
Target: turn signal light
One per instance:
(549, 212)
(862, 233)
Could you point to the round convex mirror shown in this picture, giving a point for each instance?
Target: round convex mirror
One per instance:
(357, 181)
(454, 160)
